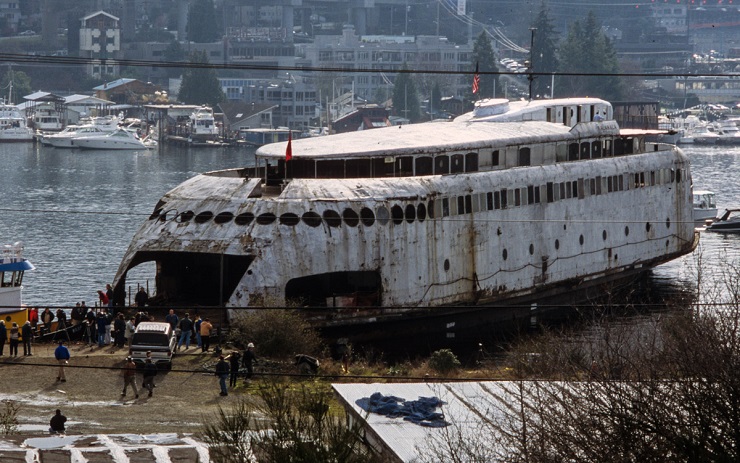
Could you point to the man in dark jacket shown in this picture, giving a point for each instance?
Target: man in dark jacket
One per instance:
(3, 336)
(27, 336)
(56, 424)
(186, 330)
(222, 371)
(248, 360)
(150, 371)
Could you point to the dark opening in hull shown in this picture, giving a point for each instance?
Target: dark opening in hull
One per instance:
(336, 289)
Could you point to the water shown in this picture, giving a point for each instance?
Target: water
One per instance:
(76, 211)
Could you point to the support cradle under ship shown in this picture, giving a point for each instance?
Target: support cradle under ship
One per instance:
(515, 202)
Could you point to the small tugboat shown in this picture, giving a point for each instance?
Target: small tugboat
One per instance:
(705, 206)
(12, 269)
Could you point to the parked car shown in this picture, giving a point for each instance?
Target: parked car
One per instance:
(27, 33)
(157, 338)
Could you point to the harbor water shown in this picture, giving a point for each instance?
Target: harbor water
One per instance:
(76, 211)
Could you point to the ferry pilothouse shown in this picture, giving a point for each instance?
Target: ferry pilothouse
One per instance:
(515, 202)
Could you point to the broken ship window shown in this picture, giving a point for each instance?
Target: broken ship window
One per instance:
(223, 217)
(168, 214)
(382, 215)
(155, 214)
(311, 218)
(350, 217)
(471, 162)
(184, 217)
(367, 216)
(332, 218)
(203, 217)
(289, 219)
(424, 165)
(265, 219)
(245, 218)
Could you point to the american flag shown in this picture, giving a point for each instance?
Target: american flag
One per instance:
(476, 80)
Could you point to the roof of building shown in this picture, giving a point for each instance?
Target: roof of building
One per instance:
(86, 100)
(236, 111)
(42, 96)
(98, 13)
(114, 84)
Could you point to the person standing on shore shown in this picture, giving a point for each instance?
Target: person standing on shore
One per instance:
(61, 353)
(150, 371)
(109, 294)
(26, 337)
(14, 339)
(222, 371)
(186, 330)
(130, 330)
(248, 361)
(234, 361)
(3, 336)
(205, 334)
(129, 377)
(141, 297)
(196, 328)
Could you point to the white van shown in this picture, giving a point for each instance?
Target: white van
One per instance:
(154, 337)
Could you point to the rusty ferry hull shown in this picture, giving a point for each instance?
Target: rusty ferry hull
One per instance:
(513, 203)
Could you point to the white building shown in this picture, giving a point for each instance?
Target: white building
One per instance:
(100, 39)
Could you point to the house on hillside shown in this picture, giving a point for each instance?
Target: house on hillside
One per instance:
(100, 40)
(362, 118)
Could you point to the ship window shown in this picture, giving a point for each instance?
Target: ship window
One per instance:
(524, 157)
(404, 166)
(598, 185)
(489, 201)
(397, 214)
(517, 197)
(562, 190)
(332, 218)
(382, 215)
(576, 190)
(652, 178)
(424, 165)
(410, 213)
(619, 148)
(596, 149)
(678, 176)
(184, 217)
(441, 165)
(504, 199)
(289, 219)
(167, 215)
(203, 217)
(609, 185)
(223, 217)
(460, 205)
(350, 217)
(495, 158)
(530, 194)
(585, 150)
(245, 218)
(673, 175)
(333, 168)
(573, 152)
(358, 168)
(607, 151)
(311, 218)
(537, 194)
(445, 207)
(457, 163)
(468, 204)
(263, 219)
(367, 217)
(431, 208)
(621, 182)
(592, 186)
(561, 152)
(471, 162)
(421, 212)
(550, 192)
(496, 200)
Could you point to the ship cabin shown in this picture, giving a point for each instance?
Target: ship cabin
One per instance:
(498, 135)
(12, 269)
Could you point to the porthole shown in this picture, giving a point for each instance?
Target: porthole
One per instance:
(367, 216)
(289, 219)
(245, 218)
(421, 212)
(383, 215)
(184, 217)
(223, 217)
(447, 264)
(167, 215)
(557, 244)
(266, 219)
(581, 240)
(332, 218)
(667, 243)
(603, 235)
(203, 217)
(397, 214)
(410, 213)
(647, 227)
(565, 226)
(505, 254)
(155, 214)
(668, 222)
(531, 249)
(430, 208)
(311, 219)
(350, 217)
(626, 231)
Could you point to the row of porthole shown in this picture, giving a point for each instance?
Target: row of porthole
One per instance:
(349, 216)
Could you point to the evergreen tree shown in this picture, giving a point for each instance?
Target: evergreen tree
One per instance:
(202, 25)
(588, 51)
(405, 98)
(174, 53)
(200, 84)
(544, 54)
(21, 86)
(484, 58)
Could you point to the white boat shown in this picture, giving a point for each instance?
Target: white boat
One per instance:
(728, 132)
(13, 125)
(47, 120)
(516, 203)
(702, 135)
(12, 268)
(119, 140)
(203, 125)
(66, 138)
(705, 206)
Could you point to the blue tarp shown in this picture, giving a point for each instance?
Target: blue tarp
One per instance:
(422, 411)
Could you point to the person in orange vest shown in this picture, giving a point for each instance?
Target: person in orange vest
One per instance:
(205, 334)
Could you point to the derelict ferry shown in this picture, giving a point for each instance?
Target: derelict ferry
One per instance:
(514, 202)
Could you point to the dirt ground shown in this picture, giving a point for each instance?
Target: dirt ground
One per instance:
(91, 398)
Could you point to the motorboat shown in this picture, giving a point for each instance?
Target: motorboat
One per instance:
(13, 125)
(12, 268)
(119, 140)
(703, 136)
(705, 206)
(47, 120)
(729, 222)
(203, 125)
(66, 137)
(729, 133)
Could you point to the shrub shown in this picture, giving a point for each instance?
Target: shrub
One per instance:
(443, 361)
(9, 417)
(276, 333)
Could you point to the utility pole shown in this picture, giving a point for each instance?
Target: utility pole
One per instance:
(530, 67)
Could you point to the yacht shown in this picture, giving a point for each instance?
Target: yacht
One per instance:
(13, 125)
(203, 125)
(121, 139)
